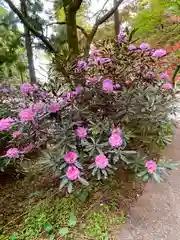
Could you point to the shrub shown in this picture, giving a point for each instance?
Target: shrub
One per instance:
(121, 107)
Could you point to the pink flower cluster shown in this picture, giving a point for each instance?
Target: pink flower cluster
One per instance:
(132, 47)
(26, 88)
(101, 161)
(39, 107)
(164, 76)
(54, 107)
(115, 140)
(167, 86)
(28, 148)
(81, 132)
(159, 53)
(16, 134)
(108, 85)
(151, 166)
(27, 114)
(81, 65)
(144, 46)
(13, 153)
(121, 37)
(72, 173)
(70, 157)
(6, 124)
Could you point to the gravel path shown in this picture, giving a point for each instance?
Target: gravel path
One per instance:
(156, 215)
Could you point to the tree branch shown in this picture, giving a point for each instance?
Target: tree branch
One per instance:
(30, 27)
(63, 23)
(75, 5)
(98, 22)
(104, 18)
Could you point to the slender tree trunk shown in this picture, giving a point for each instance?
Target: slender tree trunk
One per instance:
(28, 45)
(116, 21)
(22, 79)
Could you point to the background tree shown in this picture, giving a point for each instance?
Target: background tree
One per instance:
(28, 44)
(12, 52)
(116, 20)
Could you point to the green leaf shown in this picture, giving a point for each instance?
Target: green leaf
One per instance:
(62, 166)
(141, 174)
(35, 194)
(13, 237)
(104, 173)
(48, 228)
(123, 158)
(145, 177)
(72, 220)
(129, 152)
(83, 181)
(63, 231)
(70, 187)
(92, 166)
(175, 73)
(157, 177)
(110, 171)
(77, 164)
(98, 174)
(52, 237)
(63, 183)
(94, 171)
(3, 12)
(83, 195)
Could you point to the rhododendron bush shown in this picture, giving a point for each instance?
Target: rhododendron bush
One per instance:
(121, 107)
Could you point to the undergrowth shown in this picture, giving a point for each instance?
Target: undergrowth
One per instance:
(87, 214)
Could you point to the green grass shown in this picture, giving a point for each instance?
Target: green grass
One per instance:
(97, 225)
(93, 218)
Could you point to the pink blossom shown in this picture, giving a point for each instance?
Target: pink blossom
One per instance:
(12, 153)
(164, 76)
(6, 124)
(81, 132)
(116, 130)
(151, 166)
(70, 157)
(79, 90)
(115, 140)
(26, 88)
(72, 173)
(16, 134)
(144, 46)
(81, 65)
(159, 53)
(55, 107)
(108, 85)
(104, 60)
(101, 161)
(28, 148)
(38, 107)
(36, 87)
(121, 37)
(167, 86)
(27, 114)
(131, 47)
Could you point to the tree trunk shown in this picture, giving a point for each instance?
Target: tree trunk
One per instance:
(70, 13)
(28, 45)
(116, 21)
